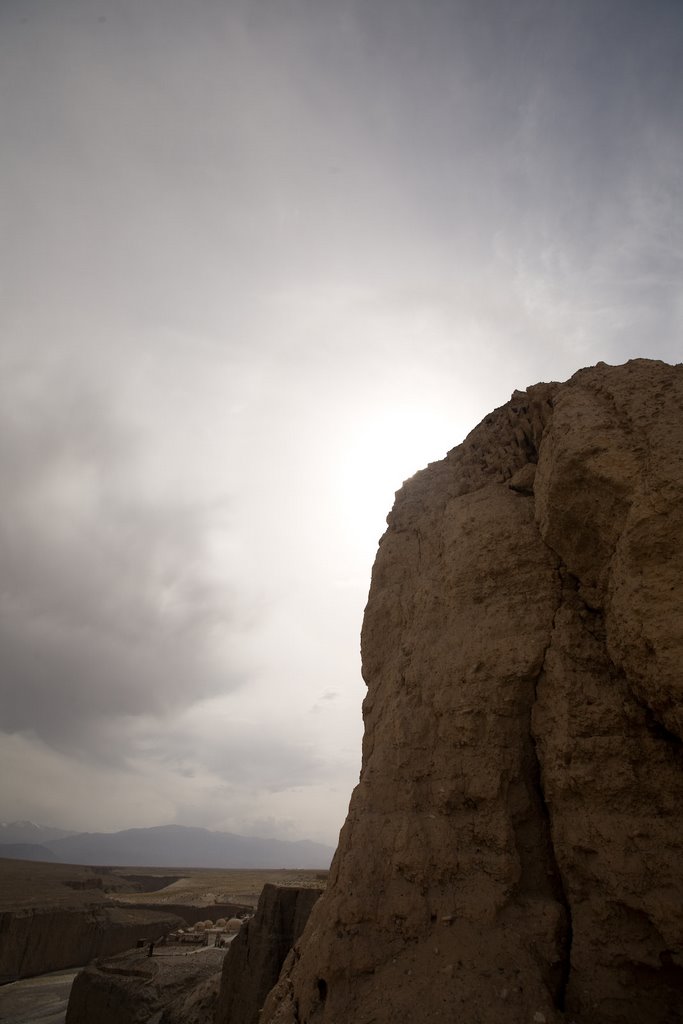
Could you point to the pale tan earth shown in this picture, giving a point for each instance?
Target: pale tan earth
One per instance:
(513, 850)
(36, 884)
(203, 887)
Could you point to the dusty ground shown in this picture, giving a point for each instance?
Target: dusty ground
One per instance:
(34, 884)
(204, 886)
(25, 883)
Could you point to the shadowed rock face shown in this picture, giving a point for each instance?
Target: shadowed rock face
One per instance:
(134, 988)
(258, 951)
(46, 939)
(513, 849)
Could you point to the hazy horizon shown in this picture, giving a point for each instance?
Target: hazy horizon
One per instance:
(264, 261)
(54, 827)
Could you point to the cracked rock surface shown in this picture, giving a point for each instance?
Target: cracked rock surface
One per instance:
(513, 850)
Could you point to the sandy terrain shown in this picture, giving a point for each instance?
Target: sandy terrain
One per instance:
(204, 886)
(33, 884)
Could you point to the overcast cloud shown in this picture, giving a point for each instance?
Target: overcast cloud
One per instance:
(263, 260)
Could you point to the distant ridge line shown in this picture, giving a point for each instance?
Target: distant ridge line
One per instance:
(165, 846)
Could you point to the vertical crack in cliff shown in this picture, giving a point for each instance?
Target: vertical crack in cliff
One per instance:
(24, 951)
(560, 970)
(540, 871)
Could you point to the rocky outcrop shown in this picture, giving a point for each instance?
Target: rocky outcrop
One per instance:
(258, 951)
(36, 941)
(134, 988)
(513, 849)
(177, 987)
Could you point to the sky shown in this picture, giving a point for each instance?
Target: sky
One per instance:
(262, 261)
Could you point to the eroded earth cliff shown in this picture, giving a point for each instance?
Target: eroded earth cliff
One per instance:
(54, 916)
(257, 952)
(513, 851)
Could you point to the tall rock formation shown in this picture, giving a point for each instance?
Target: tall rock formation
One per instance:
(513, 850)
(258, 951)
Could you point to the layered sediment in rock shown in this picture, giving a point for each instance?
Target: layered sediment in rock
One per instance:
(258, 951)
(513, 849)
(39, 940)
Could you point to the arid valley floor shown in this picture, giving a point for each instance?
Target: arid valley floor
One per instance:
(49, 894)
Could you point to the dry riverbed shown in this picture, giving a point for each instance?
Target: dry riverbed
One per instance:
(39, 1000)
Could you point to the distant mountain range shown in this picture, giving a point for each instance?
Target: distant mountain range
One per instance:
(163, 846)
(29, 832)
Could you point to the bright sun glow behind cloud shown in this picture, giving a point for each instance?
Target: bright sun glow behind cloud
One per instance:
(266, 261)
(383, 450)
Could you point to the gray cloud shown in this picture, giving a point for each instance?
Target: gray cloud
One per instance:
(244, 754)
(264, 261)
(108, 608)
